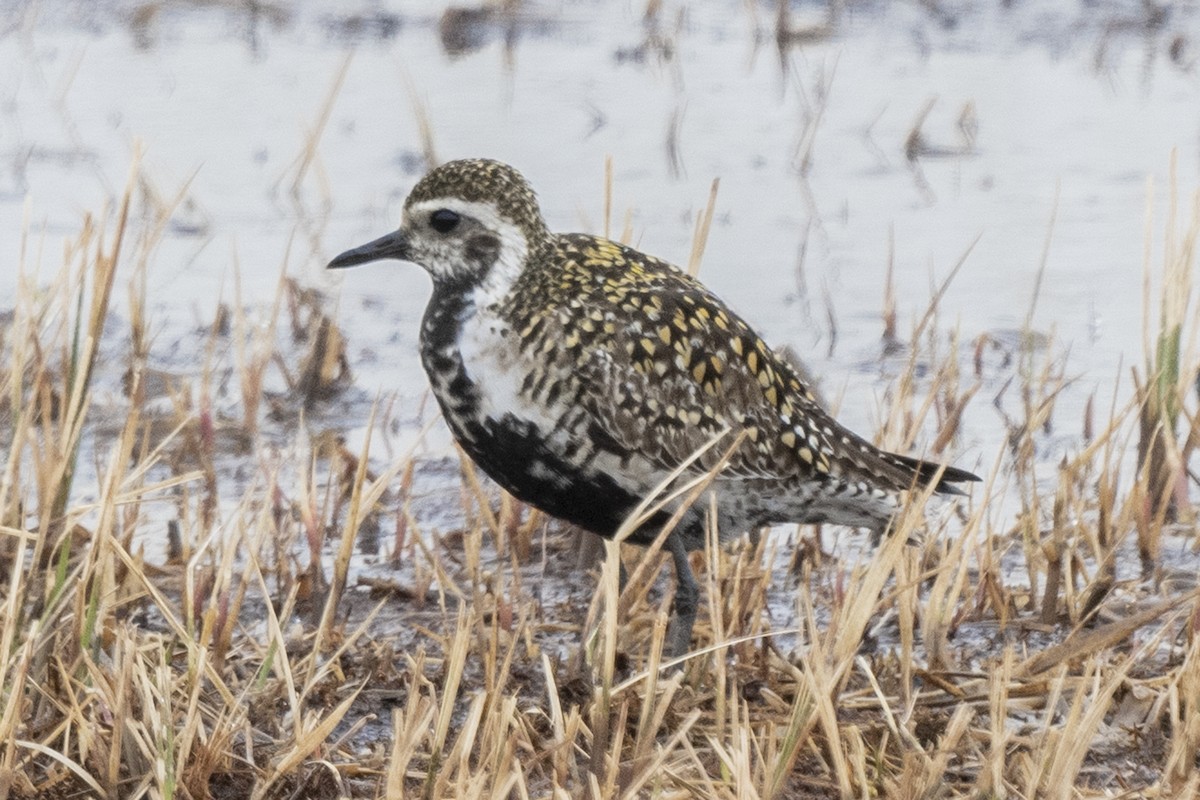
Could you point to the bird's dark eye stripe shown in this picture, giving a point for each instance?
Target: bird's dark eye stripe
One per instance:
(444, 220)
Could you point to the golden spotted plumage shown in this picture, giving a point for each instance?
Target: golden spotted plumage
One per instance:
(692, 362)
(579, 373)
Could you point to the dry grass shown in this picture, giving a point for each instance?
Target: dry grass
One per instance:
(966, 657)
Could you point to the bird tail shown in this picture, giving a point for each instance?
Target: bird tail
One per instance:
(928, 471)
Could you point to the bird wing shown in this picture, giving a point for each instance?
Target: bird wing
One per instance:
(661, 366)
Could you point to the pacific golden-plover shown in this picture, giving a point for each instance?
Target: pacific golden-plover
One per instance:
(580, 373)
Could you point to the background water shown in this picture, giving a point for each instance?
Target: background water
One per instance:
(1050, 122)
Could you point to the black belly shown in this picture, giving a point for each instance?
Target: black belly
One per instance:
(513, 452)
(514, 455)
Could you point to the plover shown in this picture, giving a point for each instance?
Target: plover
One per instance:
(580, 373)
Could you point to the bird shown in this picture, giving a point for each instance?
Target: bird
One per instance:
(580, 374)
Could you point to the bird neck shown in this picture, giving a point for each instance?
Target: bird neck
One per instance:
(448, 308)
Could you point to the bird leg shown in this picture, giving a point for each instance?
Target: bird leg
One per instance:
(687, 596)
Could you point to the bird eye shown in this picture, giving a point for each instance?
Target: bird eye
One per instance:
(444, 220)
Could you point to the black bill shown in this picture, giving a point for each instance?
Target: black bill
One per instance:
(394, 245)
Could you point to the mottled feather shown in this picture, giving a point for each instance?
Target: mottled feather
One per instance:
(579, 373)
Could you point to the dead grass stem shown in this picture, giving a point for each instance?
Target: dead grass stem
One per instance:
(967, 656)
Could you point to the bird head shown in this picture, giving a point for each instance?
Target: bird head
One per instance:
(466, 222)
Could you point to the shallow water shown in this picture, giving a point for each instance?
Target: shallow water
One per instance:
(1072, 109)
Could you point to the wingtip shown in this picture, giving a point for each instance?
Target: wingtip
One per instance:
(929, 471)
(949, 477)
